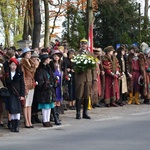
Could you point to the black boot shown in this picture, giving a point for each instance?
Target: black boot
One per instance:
(57, 111)
(17, 124)
(78, 108)
(37, 120)
(51, 117)
(56, 119)
(85, 106)
(12, 126)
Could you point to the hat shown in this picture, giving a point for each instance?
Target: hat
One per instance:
(56, 40)
(25, 50)
(135, 49)
(71, 50)
(61, 48)
(108, 49)
(34, 54)
(19, 50)
(44, 56)
(83, 41)
(9, 54)
(14, 60)
(44, 50)
(121, 48)
(97, 49)
(56, 52)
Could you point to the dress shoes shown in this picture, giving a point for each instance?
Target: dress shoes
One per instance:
(97, 105)
(146, 101)
(71, 107)
(78, 116)
(85, 116)
(120, 104)
(113, 105)
(47, 124)
(1, 125)
(27, 126)
(93, 106)
(107, 105)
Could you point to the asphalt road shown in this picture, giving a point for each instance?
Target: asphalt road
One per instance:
(126, 128)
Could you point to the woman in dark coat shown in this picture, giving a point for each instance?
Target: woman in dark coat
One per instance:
(15, 84)
(71, 78)
(45, 91)
(57, 68)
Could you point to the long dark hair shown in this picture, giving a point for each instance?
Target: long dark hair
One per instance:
(52, 63)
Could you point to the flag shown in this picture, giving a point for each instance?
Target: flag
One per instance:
(90, 38)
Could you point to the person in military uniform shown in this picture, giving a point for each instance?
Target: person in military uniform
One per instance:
(83, 83)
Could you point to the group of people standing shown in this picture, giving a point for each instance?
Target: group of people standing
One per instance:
(41, 80)
(34, 83)
(121, 77)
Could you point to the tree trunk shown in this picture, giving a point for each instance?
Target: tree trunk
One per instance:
(46, 36)
(7, 35)
(37, 24)
(6, 24)
(26, 27)
(146, 15)
(28, 21)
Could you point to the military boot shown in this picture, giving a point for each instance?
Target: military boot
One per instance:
(78, 108)
(85, 106)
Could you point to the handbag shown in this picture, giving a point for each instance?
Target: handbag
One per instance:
(4, 92)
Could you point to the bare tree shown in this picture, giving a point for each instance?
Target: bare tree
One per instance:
(28, 21)
(37, 24)
(46, 36)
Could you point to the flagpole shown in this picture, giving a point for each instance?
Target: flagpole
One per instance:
(90, 20)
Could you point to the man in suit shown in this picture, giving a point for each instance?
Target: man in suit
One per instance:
(83, 83)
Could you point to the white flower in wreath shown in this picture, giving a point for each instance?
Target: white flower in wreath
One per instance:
(85, 62)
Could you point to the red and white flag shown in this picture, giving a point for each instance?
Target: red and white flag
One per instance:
(90, 38)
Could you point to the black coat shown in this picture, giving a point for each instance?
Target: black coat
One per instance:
(46, 83)
(16, 88)
(71, 82)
